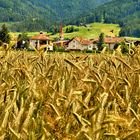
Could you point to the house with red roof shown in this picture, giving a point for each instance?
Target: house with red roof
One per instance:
(80, 44)
(109, 41)
(41, 41)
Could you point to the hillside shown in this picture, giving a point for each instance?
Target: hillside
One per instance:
(19, 10)
(36, 15)
(73, 8)
(126, 14)
(92, 30)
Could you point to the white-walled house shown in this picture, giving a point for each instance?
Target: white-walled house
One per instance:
(80, 44)
(41, 41)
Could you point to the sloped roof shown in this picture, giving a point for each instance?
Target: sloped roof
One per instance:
(40, 36)
(113, 39)
(83, 41)
(109, 40)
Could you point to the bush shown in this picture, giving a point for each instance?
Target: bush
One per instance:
(59, 49)
(124, 48)
(89, 51)
(71, 29)
(23, 41)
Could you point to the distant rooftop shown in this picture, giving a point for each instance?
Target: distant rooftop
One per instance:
(40, 36)
(83, 41)
(110, 40)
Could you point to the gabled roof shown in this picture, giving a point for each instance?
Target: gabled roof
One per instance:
(83, 41)
(113, 39)
(109, 40)
(40, 36)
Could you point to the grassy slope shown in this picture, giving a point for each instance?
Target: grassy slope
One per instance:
(15, 34)
(93, 30)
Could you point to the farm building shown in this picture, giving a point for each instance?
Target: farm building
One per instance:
(41, 41)
(80, 44)
(109, 41)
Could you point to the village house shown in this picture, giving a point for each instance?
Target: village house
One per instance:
(109, 41)
(80, 44)
(41, 41)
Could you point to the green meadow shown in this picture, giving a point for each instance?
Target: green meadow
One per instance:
(92, 30)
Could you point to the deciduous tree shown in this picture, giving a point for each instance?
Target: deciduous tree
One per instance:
(4, 34)
(101, 41)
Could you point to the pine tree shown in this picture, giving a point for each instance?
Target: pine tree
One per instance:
(4, 34)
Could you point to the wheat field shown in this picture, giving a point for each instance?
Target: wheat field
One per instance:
(65, 96)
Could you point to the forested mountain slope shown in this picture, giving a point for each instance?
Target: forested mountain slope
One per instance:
(17, 10)
(126, 13)
(35, 14)
(73, 8)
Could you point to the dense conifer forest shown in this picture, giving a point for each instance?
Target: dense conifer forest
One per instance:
(34, 15)
(126, 13)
